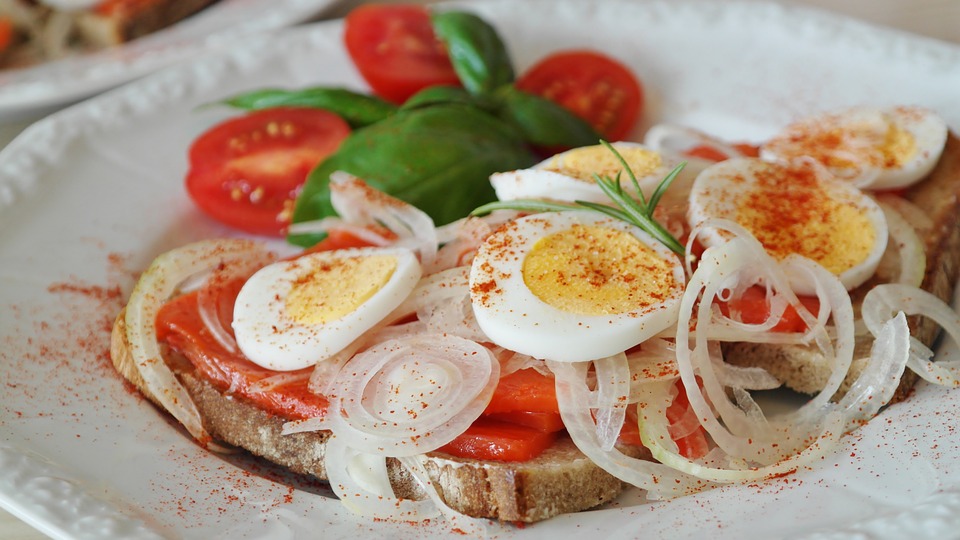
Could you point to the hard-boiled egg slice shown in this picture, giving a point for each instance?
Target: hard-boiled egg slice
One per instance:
(292, 314)
(872, 148)
(573, 286)
(568, 176)
(794, 210)
(71, 5)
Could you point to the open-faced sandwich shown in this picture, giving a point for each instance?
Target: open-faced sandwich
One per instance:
(603, 324)
(34, 31)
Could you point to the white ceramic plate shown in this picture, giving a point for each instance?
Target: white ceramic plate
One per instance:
(29, 92)
(90, 195)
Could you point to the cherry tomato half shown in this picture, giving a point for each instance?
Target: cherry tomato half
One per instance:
(592, 85)
(395, 49)
(246, 172)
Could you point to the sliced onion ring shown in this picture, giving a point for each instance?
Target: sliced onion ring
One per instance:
(363, 485)
(411, 395)
(913, 256)
(884, 300)
(573, 397)
(158, 283)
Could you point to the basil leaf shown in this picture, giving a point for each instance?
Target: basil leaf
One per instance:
(437, 95)
(542, 122)
(437, 158)
(476, 51)
(357, 109)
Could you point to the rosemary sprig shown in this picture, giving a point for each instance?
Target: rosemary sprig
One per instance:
(635, 212)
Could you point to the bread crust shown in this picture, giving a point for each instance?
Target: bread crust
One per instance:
(803, 368)
(559, 481)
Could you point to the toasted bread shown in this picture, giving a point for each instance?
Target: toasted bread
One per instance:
(803, 368)
(119, 21)
(559, 481)
(40, 33)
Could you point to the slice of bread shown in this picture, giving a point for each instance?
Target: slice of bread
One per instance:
(803, 368)
(118, 21)
(559, 481)
(42, 33)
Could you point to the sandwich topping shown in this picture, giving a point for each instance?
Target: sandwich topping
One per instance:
(411, 342)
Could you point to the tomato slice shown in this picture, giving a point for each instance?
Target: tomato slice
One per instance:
(524, 390)
(753, 308)
(709, 153)
(592, 85)
(180, 324)
(501, 441)
(341, 239)
(543, 421)
(247, 171)
(396, 50)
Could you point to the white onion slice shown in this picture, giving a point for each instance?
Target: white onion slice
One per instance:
(612, 394)
(653, 434)
(879, 380)
(913, 256)
(331, 224)
(463, 524)
(573, 396)
(834, 295)
(917, 217)
(454, 317)
(359, 204)
(884, 300)
(412, 395)
(460, 250)
(678, 139)
(740, 428)
(206, 299)
(158, 283)
(512, 361)
(444, 286)
(873, 389)
(361, 481)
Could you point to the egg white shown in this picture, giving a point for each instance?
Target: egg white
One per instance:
(513, 317)
(718, 190)
(270, 337)
(71, 5)
(548, 180)
(863, 131)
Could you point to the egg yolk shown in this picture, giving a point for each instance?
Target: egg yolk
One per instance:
(583, 163)
(898, 147)
(788, 213)
(592, 270)
(838, 144)
(337, 288)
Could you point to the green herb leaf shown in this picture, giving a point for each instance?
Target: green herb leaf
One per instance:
(476, 51)
(437, 158)
(542, 122)
(439, 95)
(357, 109)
